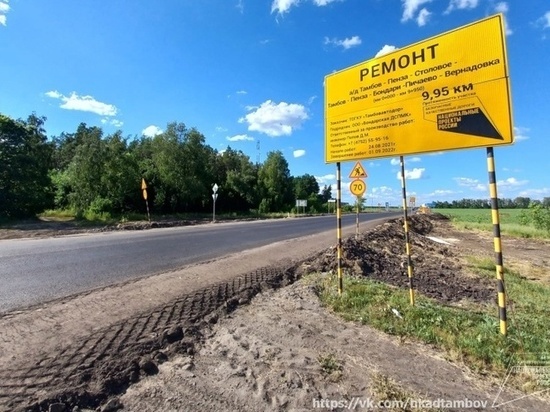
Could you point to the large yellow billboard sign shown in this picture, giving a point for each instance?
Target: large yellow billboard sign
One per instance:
(448, 92)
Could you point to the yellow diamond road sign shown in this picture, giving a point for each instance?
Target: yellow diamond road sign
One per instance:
(448, 92)
(358, 172)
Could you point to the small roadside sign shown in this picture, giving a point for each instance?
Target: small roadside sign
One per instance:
(144, 193)
(144, 189)
(358, 187)
(358, 172)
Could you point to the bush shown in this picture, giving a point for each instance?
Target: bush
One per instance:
(100, 209)
(540, 216)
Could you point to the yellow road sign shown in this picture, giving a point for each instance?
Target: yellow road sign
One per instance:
(144, 192)
(448, 92)
(358, 172)
(143, 184)
(357, 187)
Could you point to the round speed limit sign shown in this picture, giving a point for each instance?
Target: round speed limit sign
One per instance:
(357, 187)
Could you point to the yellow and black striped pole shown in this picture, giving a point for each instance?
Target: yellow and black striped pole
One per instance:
(497, 241)
(406, 226)
(339, 226)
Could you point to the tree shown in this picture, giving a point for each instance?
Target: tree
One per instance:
(304, 186)
(120, 178)
(326, 193)
(275, 184)
(25, 159)
(521, 202)
(237, 177)
(86, 169)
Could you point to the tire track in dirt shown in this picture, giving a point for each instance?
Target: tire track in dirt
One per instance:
(108, 360)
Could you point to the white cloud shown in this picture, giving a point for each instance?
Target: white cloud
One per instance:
(413, 159)
(347, 43)
(383, 190)
(544, 21)
(321, 3)
(323, 180)
(502, 7)
(410, 7)
(283, 6)
(472, 184)
(461, 5)
(520, 133)
(240, 138)
(112, 122)
(311, 99)
(395, 161)
(414, 174)
(221, 129)
(385, 194)
(536, 193)
(423, 17)
(385, 50)
(83, 103)
(299, 153)
(54, 94)
(242, 92)
(441, 192)
(511, 182)
(240, 6)
(275, 119)
(151, 131)
(4, 9)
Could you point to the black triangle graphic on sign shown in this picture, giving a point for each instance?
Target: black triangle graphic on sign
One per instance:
(470, 121)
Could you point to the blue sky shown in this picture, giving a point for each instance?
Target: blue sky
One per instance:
(249, 71)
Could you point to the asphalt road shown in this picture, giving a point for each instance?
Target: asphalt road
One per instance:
(33, 271)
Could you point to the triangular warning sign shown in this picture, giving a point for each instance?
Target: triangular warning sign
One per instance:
(358, 172)
(468, 121)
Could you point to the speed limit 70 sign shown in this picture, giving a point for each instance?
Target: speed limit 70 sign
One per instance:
(357, 187)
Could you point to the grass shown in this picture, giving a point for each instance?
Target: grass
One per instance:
(330, 366)
(386, 389)
(512, 221)
(468, 335)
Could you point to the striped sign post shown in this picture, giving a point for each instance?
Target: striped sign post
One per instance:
(406, 227)
(497, 240)
(339, 225)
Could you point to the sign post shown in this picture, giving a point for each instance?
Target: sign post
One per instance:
(144, 193)
(214, 197)
(301, 203)
(328, 205)
(448, 92)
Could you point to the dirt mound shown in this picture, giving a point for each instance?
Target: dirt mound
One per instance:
(381, 254)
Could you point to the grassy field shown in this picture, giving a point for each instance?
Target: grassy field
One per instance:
(513, 222)
(466, 334)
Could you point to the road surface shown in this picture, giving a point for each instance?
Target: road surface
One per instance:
(34, 271)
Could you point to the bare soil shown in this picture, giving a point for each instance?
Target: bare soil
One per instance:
(245, 333)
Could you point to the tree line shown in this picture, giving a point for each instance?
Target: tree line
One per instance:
(519, 202)
(94, 174)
